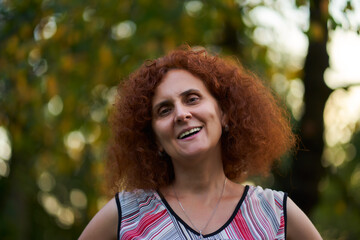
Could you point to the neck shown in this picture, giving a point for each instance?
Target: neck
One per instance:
(198, 182)
(203, 186)
(201, 175)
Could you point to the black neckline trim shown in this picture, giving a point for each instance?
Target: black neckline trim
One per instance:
(285, 212)
(217, 231)
(119, 214)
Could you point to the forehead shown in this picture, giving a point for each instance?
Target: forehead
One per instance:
(177, 81)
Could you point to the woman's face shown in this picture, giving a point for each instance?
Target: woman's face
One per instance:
(187, 119)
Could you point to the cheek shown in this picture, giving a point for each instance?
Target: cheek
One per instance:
(215, 115)
(219, 115)
(161, 130)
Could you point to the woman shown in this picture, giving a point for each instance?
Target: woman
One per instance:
(187, 128)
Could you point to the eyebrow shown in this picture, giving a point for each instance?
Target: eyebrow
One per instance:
(162, 103)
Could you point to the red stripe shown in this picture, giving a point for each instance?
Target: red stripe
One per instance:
(242, 227)
(146, 224)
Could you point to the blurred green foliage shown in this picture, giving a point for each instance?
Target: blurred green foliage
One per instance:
(60, 62)
(337, 215)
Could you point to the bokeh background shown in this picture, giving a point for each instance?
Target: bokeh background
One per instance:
(60, 63)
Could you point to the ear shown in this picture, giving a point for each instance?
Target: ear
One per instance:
(224, 119)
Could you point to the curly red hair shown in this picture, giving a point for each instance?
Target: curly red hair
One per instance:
(259, 127)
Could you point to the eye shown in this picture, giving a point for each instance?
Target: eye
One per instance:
(192, 99)
(163, 111)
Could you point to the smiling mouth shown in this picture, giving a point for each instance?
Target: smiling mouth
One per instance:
(189, 132)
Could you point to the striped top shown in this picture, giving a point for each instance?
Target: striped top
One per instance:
(145, 214)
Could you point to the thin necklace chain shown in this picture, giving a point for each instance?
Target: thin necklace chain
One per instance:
(212, 214)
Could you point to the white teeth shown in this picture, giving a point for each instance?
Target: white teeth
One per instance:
(189, 132)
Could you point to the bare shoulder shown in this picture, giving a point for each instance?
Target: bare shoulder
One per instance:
(104, 223)
(299, 225)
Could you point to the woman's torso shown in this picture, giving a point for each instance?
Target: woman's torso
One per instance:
(259, 214)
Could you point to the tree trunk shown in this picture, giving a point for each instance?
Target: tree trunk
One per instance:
(307, 170)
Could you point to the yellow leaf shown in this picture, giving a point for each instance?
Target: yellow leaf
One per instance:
(12, 44)
(25, 31)
(105, 56)
(67, 63)
(22, 86)
(51, 86)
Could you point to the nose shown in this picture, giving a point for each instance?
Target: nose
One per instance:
(182, 113)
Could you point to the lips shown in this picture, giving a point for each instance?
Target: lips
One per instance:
(189, 132)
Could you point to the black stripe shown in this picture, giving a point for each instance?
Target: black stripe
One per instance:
(119, 214)
(285, 212)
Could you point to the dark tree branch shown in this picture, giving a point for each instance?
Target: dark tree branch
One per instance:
(307, 171)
